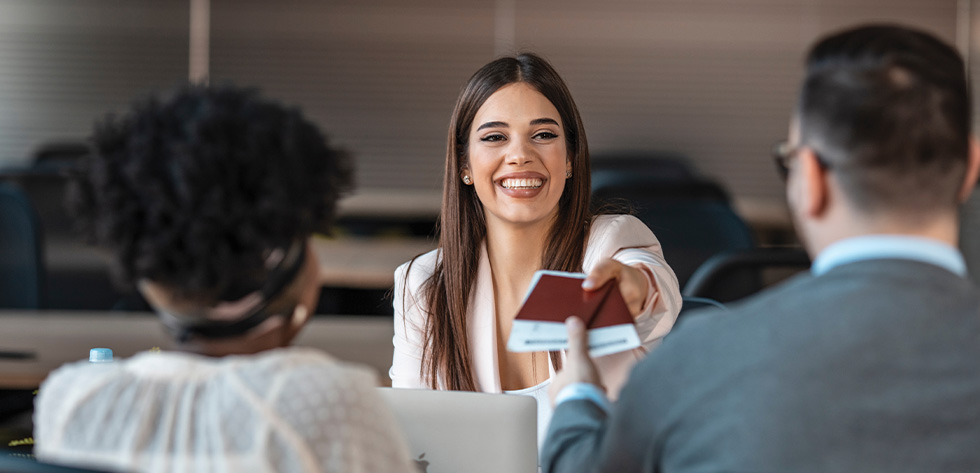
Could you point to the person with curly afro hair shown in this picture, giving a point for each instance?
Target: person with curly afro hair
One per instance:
(207, 200)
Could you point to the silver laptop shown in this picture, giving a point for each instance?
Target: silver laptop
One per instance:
(451, 432)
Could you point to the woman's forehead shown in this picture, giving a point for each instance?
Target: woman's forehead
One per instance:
(516, 104)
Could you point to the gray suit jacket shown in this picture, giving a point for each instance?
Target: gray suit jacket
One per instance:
(871, 367)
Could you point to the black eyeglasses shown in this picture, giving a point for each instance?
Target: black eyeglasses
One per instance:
(782, 152)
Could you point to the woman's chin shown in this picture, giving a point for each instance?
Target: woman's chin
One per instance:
(525, 217)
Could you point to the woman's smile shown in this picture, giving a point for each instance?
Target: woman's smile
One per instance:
(521, 185)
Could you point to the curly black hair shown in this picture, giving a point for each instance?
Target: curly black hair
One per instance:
(193, 191)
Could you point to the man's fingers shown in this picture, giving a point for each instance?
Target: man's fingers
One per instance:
(601, 274)
(578, 338)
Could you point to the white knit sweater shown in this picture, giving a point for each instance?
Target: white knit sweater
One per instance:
(291, 409)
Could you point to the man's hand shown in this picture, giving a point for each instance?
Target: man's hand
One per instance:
(579, 367)
(632, 282)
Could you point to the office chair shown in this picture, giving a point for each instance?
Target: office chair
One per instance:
(58, 157)
(723, 276)
(694, 304)
(689, 304)
(629, 168)
(692, 219)
(21, 251)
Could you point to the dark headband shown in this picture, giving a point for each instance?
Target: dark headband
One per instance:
(204, 325)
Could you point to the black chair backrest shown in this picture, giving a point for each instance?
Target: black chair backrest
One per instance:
(722, 272)
(46, 191)
(632, 168)
(21, 251)
(695, 303)
(692, 219)
(58, 157)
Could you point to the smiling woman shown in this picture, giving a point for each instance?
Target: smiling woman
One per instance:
(516, 199)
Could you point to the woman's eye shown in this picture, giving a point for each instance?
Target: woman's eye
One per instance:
(546, 135)
(494, 137)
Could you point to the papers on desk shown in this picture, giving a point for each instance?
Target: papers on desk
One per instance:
(553, 297)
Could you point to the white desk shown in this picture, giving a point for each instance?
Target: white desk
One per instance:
(60, 337)
(366, 263)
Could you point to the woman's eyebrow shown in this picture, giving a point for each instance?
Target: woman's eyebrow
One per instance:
(493, 125)
(543, 121)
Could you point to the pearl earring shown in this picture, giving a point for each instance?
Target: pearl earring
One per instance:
(466, 180)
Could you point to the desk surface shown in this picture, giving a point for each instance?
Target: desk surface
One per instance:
(56, 338)
(367, 263)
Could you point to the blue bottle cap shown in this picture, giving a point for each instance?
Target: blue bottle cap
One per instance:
(100, 355)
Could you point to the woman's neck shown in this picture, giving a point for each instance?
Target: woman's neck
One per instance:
(515, 253)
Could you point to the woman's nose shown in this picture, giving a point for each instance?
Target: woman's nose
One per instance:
(520, 153)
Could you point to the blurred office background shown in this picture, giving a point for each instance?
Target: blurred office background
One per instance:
(688, 95)
(711, 82)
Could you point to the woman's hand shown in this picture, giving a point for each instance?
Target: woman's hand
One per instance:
(632, 282)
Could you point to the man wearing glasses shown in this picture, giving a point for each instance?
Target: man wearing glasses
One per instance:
(870, 362)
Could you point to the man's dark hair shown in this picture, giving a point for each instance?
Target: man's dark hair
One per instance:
(888, 109)
(193, 191)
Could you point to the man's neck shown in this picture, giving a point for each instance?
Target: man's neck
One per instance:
(943, 228)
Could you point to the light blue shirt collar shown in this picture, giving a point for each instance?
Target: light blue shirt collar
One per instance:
(869, 247)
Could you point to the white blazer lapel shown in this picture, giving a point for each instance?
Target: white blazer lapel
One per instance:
(482, 327)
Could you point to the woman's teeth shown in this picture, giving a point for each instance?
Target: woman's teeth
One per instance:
(521, 183)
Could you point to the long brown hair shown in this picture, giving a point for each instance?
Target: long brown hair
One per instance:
(462, 227)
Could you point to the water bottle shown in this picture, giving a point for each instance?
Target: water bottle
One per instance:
(100, 355)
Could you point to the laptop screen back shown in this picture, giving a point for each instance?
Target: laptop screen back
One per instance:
(451, 431)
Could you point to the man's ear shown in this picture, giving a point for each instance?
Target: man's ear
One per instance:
(972, 171)
(814, 184)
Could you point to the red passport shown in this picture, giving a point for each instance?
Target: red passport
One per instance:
(553, 297)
